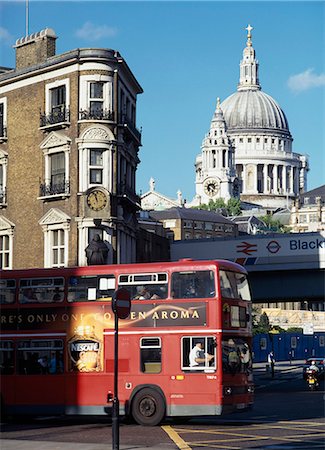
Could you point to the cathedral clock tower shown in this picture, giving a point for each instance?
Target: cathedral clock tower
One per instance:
(215, 170)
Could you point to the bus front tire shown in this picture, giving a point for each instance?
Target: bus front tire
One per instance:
(148, 407)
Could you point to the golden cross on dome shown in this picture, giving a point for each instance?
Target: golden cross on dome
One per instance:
(249, 36)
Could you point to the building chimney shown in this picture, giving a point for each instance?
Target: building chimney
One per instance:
(35, 48)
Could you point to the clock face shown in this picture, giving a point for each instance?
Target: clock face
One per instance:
(96, 200)
(211, 187)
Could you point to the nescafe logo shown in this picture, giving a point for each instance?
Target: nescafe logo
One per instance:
(85, 355)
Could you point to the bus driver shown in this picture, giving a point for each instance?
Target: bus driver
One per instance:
(197, 356)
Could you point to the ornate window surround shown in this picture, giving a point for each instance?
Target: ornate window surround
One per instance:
(55, 84)
(7, 229)
(55, 219)
(84, 96)
(56, 142)
(101, 137)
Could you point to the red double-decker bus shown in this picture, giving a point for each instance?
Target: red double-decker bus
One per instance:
(184, 350)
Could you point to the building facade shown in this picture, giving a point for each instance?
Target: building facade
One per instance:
(68, 155)
(308, 213)
(256, 132)
(187, 223)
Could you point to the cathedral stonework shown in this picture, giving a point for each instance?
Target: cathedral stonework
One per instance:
(249, 147)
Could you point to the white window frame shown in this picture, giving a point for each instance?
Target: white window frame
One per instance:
(55, 84)
(100, 137)
(7, 229)
(84, 96)
(48, 152)
(55, 220)
(4, 164)
(96, 167)
(49, 246)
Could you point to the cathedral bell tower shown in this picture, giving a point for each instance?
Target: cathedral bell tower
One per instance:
(215, 169)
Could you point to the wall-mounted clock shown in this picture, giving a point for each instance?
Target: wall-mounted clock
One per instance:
(211, 187)
(96, 200)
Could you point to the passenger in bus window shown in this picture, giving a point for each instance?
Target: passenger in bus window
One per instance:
(142, 293)
(43, 362)
(197, 356)
(29, 296)
(57, 297)
(233, 359)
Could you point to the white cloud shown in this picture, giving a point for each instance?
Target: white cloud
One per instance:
(5, 35)
(306, 80)
(92, 32)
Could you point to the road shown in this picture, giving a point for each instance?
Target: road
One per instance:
(285, 416)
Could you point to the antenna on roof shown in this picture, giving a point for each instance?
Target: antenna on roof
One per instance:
(27, 18)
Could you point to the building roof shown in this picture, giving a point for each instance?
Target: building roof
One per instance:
(189, 214)
(317, 192)
(253, 109)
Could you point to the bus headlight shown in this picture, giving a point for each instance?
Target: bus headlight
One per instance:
(250, 389)
(227, 390)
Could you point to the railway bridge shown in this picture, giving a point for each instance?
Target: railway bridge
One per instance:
(282, 267)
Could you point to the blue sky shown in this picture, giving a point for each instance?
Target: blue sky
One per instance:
(185, 55)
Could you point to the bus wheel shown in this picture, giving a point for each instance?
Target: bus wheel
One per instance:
(148, 407)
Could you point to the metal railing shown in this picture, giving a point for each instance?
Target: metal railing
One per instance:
(57, 115)
(96, 114)
(49, 189)
(3, 196)
(124, 120)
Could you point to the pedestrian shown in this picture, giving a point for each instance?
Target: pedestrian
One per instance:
(271, 361)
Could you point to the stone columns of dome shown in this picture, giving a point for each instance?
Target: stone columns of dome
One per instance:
(296, 180)
(291, 181)
(284, 179)
(275, 179)
(244, 184)
(265, 187)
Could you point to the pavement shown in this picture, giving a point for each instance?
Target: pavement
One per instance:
(284, 370)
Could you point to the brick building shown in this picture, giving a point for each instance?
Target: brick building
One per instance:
(68, 155)
(188, 223)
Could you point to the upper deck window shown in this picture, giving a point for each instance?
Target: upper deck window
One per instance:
(41, 290)
(91, 288)
(193, 284)
(144, 286)
(7, 291)
(234, 285)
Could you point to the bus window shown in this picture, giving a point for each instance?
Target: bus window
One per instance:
(234, 285)
(145, 286)
(150, 355)
(207, 351)
(6, 358)
(193, 284)
(7, 291)
(40, 357)
(41, 290)
(238, 316)
(236, 356)
(91, 288)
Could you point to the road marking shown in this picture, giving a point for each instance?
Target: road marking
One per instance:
(175, 437)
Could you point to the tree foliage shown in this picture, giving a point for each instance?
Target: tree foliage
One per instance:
(274, 225)
(231, 208)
